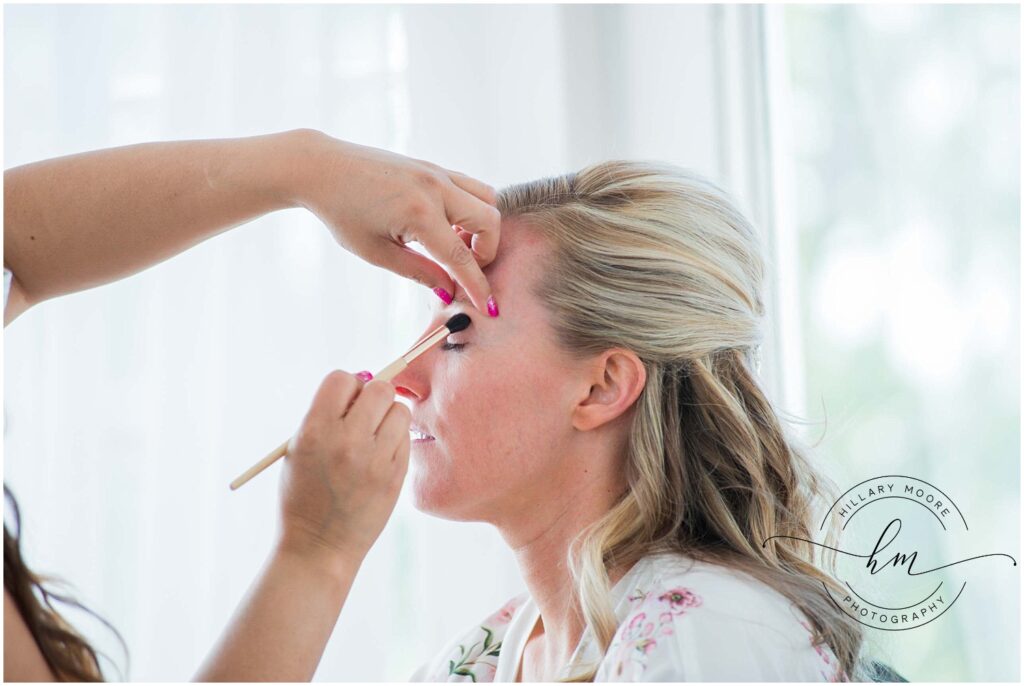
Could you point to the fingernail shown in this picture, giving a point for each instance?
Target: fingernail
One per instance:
(443, 295)
(492, 307)
(364, 376)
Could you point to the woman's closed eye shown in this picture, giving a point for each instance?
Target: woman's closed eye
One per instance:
(453, 346)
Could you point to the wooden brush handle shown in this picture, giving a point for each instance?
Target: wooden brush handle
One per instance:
(270, 459)
(386, 374)
(392, 370)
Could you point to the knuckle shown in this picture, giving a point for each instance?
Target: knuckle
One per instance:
(491, 194)
(403, 413)
(430, 180)
(337, 379)
(460, 254)
(307, 439)
(333, 376)
(379, 389)
(419, 211)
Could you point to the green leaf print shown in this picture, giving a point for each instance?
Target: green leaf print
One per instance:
(468, 657)
(464, 671)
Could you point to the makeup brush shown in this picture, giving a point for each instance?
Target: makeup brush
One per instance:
(457, 323)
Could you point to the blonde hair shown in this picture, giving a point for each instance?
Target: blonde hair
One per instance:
(656, 259)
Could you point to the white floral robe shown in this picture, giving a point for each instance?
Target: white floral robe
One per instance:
(679, 620)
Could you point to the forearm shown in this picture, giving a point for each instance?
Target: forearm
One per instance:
(83, 220)
(282, 625)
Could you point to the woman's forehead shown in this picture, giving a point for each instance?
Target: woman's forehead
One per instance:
(511, 274)
(519, 251)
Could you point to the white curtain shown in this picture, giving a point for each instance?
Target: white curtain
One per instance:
(130, 407)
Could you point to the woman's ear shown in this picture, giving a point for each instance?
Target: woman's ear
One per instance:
(617, 378)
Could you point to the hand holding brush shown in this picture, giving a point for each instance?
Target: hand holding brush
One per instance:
(455, 324)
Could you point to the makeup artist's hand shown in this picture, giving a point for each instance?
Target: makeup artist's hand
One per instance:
(73, 222)
(344, 470)
(376, 201)
(342, 476)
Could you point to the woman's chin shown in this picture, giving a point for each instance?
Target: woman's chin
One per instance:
(425, 496)
(434, 496)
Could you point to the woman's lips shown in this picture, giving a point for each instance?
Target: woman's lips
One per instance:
(419, 436)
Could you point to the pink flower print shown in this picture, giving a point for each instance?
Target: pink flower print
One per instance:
(638, 636)
(632, 644)
(680, 599)
(505, 615)
(635, 625)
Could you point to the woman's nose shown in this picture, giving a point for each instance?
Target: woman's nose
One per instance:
(412, 382)
(408, 383)
(405, 392)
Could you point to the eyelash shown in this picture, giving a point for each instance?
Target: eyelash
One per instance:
(453, 346)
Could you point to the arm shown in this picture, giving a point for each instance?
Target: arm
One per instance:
(278, 632)
(84, 220)
(281, 627)
(341, 479)
(23, 661)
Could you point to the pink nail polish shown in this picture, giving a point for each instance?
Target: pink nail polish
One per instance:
(364, 376)
(443, 295)
(492, 307)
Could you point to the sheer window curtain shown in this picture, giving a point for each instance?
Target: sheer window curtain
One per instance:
(895, 156)
(129, 408)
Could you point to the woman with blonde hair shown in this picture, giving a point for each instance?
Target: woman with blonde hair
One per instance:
(612, 426)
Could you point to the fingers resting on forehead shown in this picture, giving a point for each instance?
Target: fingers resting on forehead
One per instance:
(483, 221)
(465, 261)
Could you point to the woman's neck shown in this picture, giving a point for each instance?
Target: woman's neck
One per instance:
(544, 567)
(541, 545)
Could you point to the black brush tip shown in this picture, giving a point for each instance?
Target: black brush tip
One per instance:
(458, 322)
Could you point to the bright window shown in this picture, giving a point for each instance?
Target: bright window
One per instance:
(899, 134)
